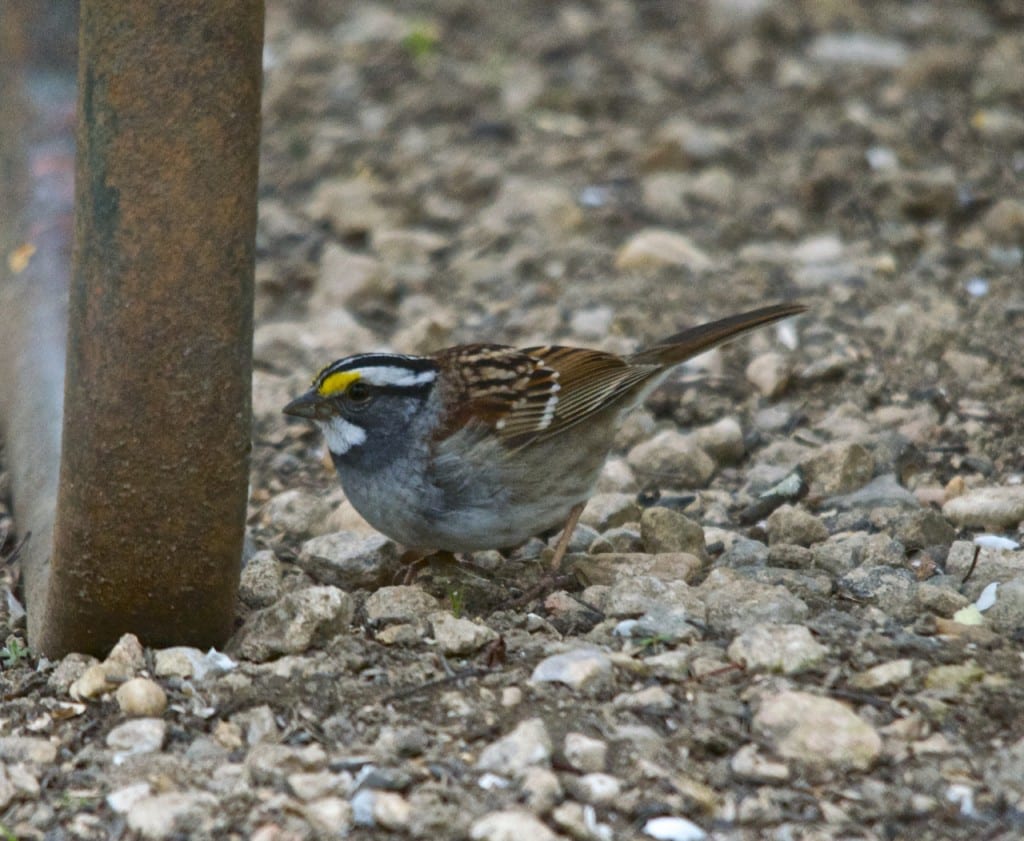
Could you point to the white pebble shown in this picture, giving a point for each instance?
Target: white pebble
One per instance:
(987, 597)
(674, 829)
(977, 287)
(995, 541)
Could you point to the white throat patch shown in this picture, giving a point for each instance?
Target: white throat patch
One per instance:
(341, 435)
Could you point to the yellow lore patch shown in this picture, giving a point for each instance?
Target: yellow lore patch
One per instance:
(337, 383)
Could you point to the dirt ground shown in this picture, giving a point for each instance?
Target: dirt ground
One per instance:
(811, 665)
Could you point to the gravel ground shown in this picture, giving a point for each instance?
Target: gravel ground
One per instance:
(796, 605)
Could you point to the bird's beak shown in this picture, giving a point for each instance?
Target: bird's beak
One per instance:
(310, 405)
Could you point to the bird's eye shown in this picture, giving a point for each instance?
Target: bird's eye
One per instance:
(359, 393)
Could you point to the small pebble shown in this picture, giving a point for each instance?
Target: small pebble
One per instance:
(582, 670)
(1000, 507)
(789, 649)
(510, 825)
(141, 696)
(140, 735)
(527, 745)
(674, 829)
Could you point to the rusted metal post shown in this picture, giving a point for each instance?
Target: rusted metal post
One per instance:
(154, 469)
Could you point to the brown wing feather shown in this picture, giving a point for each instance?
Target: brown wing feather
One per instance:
(532, 393)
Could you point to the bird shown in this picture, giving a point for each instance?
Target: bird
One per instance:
(483, 446)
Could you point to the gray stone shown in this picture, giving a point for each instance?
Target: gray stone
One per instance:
(541, 789)
(33, 750)
(670, 665)
(330, 816)
(789, 524)
(954, 677)
(859, 49)
(924, 528)
(350, 207)
(68, 670)
(270, 764)
(665, 530)
(744, 552)
(122, 799)
(582, 669)
(892, 589)
(654, 248)
(349, 560)
(1005, 773)
(298, 621)
(819, 733)
(592, 323)
(534, 201)
(607, 510)
(622, 539)
(723, 440)
(403, 603)
(838, 468)
(992, 565)
(260, 584)
(635, 595)
(190, 663)
(610, 567)
(937, 595)
(527, 745)
(682, 142)
(141, 735)
(510, 825)
(391, 811)
(584, 753)
(883, 491)
(672, 460)
(653, 698)
(806, 584)
(297, 512)
(258, 723)
(790, 556)
(1007, 614)
(841, 553)
(884, 675)
(789, 649)
(1004, 221)
(734, 603)
(173, 814)
(769, 373)
(596, 788)
(7, 791)
(749, 765)
(459, 636)
(993, 507)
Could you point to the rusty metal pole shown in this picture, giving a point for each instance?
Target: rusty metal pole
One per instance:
(155, 452)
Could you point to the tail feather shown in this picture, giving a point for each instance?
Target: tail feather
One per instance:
(695, 340)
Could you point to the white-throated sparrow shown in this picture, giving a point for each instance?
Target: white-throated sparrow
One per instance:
(483, 446)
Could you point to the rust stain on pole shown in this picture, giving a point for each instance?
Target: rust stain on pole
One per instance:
(156, 435)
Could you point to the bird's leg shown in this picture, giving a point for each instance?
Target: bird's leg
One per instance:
(563, 541)
(413, 561)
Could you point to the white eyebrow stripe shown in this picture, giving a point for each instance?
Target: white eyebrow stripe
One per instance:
(394, 375)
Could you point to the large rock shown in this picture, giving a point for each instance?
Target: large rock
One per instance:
(819, 733)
